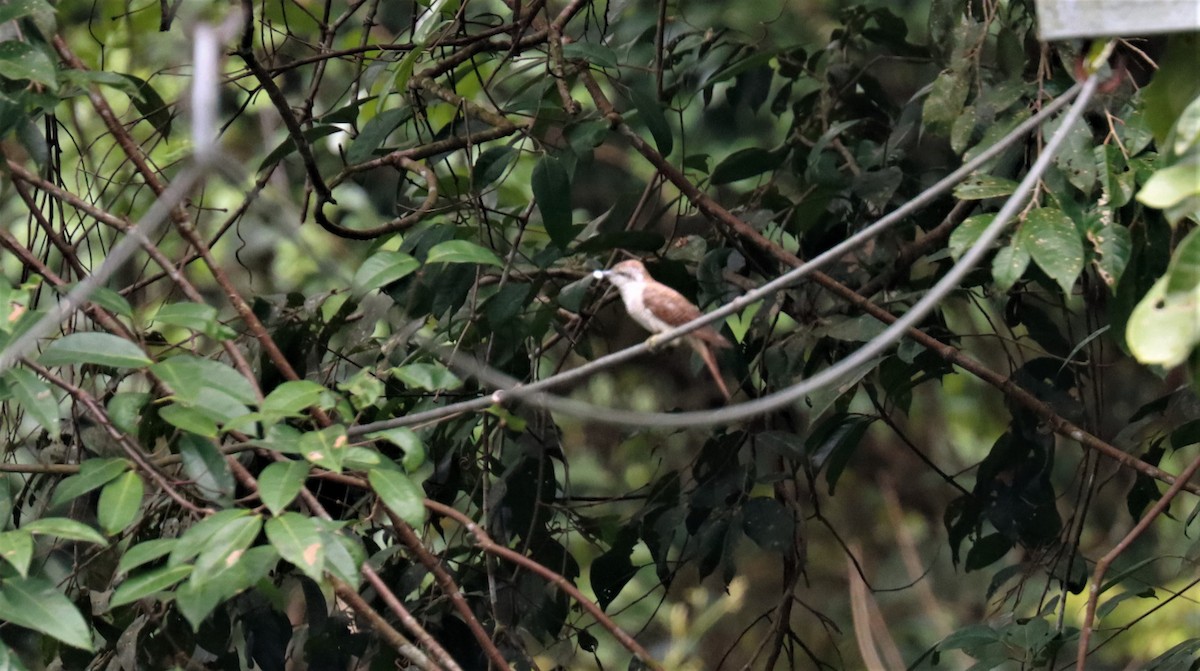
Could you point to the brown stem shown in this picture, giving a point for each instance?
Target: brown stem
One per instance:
(1159, 507)
(486, 543)
(410, 538)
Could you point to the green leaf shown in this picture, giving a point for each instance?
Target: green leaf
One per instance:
(15, 9)
(399, 493)
(292, 398)
(650, 111)
(381, 269)
(189, 375)
(16, 548)
(344, 556)
(119, 502)
(145, 552)
(406, 439)
(35, 603)
(206, 467)
(288, 146)
(590, 53)
(1076, 158)
(325, 448)
(947, 97)
(151, 105)
(427, 376)
(1171, 185)
(21, 60)
(189, 419)
(196, 538)
(552, 191)
(194, 317)
(980, 187)
(35, 397)
(105, 298)
(964, 237)
(148, 584)
(125, 410)
(462, 251)
(970, 637)
(103, 349)
(375, 132)
(298, 540)
(225, 548)
(769, 524)
(490, 166)
(280, 482)
(987, 551)
(1053, 242)
(93, 474)
(1183, 274)
(65, 529)
(197, 601)
(746, 163)
(1009, 265)
(1164, 327)
(633, 241)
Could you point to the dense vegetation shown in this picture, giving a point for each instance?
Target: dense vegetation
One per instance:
(267, 264)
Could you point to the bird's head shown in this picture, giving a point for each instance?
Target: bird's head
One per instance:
(625, 272)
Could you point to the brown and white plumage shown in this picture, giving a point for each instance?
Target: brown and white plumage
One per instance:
(659, 308)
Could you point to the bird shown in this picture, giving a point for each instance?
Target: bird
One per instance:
(659, 308)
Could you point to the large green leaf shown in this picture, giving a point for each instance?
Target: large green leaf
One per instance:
(206, 467)
(1009, 265)
(148, 584)
(37, 604)
(399, 493)
(36, 397)
(965, 235)
(93, 474)
(1051, 239)
(119, 502)
(650, 111)
(145, 552)
(381, 269)
(298, 540)
(280, 482)
(325, 448)
(66, 529)
(552, 191)
(375, 132)
(291, 398)
(197, 537)
(102, 349)
(189, 375)
(462, 251)
(225, 548)
(16, 548)
(22, 60)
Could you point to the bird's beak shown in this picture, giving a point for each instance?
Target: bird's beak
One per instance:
(600, 274)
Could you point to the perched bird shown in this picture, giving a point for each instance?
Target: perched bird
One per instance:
(659, 308)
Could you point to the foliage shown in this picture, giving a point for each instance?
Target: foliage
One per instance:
(261, 442)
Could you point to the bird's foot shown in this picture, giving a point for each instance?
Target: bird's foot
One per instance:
(654, 343)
